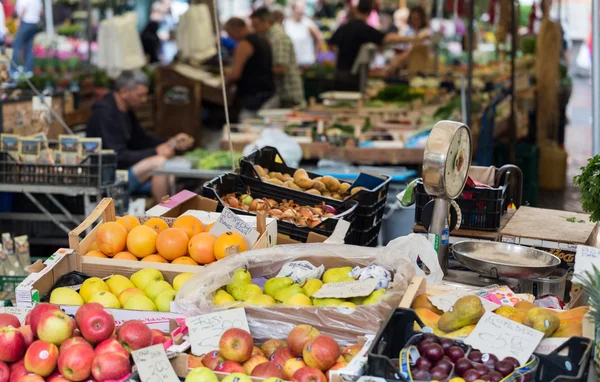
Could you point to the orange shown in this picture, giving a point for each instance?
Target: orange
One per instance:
(227, 240)
(141, 241)
(96, 254)
(157, 224)
(201, 248)
(189, 224)
(208, 226)
(128, 222)
(154, 259)
(184, 260)
(125, 256)
(172, 243)
(93, 247)
(111, 238)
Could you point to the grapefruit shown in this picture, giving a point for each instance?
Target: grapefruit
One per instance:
(96, 254)
(227, 240)
(189, 224)
(154, 259)
(157, 224)
(172, 243)
(208, 226)
(201, 248)
(141, 241)
(129, 222)
(185, 260)
(125, 256)
(111, 238)
(93, 247)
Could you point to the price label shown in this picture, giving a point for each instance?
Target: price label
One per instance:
(347, 289)
(446, 301)
(586, 258)
(502, 337)
(153, 365)
(228, 221)
(205, 331)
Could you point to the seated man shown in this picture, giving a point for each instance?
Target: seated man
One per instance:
(114, 121)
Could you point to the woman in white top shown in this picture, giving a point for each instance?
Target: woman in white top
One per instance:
(29, 13)
(304, 33)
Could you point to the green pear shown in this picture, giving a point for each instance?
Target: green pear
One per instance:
(287, 292)
(222, 298)
(347, 305)
(337, 275)
(374, 297)
(311, 286)
(240, 277)
(357, 300)
(327, 301)
(275, 284)
(242, 292)
(260, 299)
(298, 299)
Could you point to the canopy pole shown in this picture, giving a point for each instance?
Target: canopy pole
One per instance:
(596, 76)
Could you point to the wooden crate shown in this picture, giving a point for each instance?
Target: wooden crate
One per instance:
(17, 117)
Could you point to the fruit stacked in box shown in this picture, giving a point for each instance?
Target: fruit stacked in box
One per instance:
(54, 347)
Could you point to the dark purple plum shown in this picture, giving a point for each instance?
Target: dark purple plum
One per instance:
(423, 345)
(423, 364)
(455, 353)
(445, 364)
(475, 356)
(504, 367)
(431, 337)
(470, 375)
(421, 375)
(446, 343)
(439, 373)
(492, 376)
(490, 361)
(462, 365)
(434, 352)
(513, 361)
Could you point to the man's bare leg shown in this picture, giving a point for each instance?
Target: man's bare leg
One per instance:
(143, 172)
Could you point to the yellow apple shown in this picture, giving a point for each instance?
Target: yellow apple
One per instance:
(139, 302)
(180, 279)
(65, 296)
(106, 299)
(127, 293)
(91, 286)
(163, 300)
(143, 277)
(118, 284)
(156, 287)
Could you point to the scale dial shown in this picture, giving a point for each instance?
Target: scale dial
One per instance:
(447, 159)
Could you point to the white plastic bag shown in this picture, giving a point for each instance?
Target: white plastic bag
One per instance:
(584, 58)
(288, 148)
(418, 246)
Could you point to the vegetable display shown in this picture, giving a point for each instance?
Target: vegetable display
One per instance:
(589, 184)
(213, 160)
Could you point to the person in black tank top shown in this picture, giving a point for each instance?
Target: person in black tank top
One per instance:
(252, 69)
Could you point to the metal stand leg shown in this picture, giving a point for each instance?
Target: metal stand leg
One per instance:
(47, 213)
(62, 209)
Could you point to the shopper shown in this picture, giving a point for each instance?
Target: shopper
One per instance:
(252, 70)
(151, 42)
(29, 13)
(304, 33)
(418, 27)
(285, 67)
(114, 121)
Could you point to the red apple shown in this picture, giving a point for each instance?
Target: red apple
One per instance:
(321, 353)
(56, 377)
(134, 335)
(110, 346)
(75, 364)
(36, 314)
(110, 366)
(254, 361)
(90, 306)
(309, 374)
(27, 334)
(236, 345)
(95, 325)
(30, 378)
(159, 337)
(28, 318)
(230, 367)
(281, 355)
(337, 366)
(12, 344)
(71, 342)
(349, 352)
(41, 358)
(212, 359)
(4, 372)
(299, 336)
(17, 372)
(194, 362)
(9, 320)
(55, 326)
(291, 366)
(269, 347)
(256, 351)
(14, 365)
(267, 370)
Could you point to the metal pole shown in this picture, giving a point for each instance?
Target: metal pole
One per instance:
(471, 32)
(49, 20)
(88, 32)
(596, 76)
(512, 147)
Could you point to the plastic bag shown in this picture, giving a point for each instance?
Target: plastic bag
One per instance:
(276, 321)
(288, 148)
(419, 246)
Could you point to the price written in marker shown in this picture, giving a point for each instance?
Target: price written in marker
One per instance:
(586, 258)
(205, 331)
(228, 221)
(153, 365)
(347, 289)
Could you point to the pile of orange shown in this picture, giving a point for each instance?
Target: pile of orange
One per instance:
(186, 242)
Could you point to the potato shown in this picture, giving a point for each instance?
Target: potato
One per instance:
(275, 181)
(344, 188)
(261, 171)
(331, 183)
(276, 175)
(327, 194)
(302, 180)
(287, 177)
(319, 186)
(356, 189)
(313, 191)
(337, 196)
(318, 179)
(292, 185)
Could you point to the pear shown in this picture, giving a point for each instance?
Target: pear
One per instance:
(374, 297)
(240, 277)
(356, 300)
(467, 310)
(242, 292)
(311, 286)
(298, 299)
(222, 298)
(337, 275)
(543, 320)
(287, 292)
(327, 301)
(347, 304)
(275, 284)
(260, 299)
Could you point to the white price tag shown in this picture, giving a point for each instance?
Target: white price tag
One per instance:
(301, 271)
(447, 300)
(153, 365)
(347, 289)
(41, 103)
(586, 258)
(205, 331)
(228, 221)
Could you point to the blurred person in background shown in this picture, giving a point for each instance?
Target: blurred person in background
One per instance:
(417, 27)
(151, 42)
(304, 33)
(29, 13)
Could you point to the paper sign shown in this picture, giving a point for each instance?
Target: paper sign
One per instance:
(153, 365)
(347, 289)
(502, 337)
(41, 103)
(586, 258)
(228, 221)
(447, 300)
(205, 331)
(19, 312)
(339, 233)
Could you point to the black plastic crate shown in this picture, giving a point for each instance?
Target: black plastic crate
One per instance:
(94, 171)
(482, 212)
(371, 203)
(231, 183)
(574, 366)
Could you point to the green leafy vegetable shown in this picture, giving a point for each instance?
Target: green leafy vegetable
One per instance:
(589, 184)
(207, 160)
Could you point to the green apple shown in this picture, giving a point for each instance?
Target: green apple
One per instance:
(374, 297)
(201, 374)
(260, 299)
(242, 292)
(143, 277)
(277, 283)
(299, 299)
(337, 275)
(311, 286)
(240, 277)
(156, 287)
(236, 377)
(327, 301)
(163, 300)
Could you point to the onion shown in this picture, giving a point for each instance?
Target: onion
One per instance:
(330, 210)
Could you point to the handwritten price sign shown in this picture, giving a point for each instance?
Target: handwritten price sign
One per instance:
(228, 221)
(347, 289)
(586, 259)
(205, 331)
(153, 365)
(502, 337)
